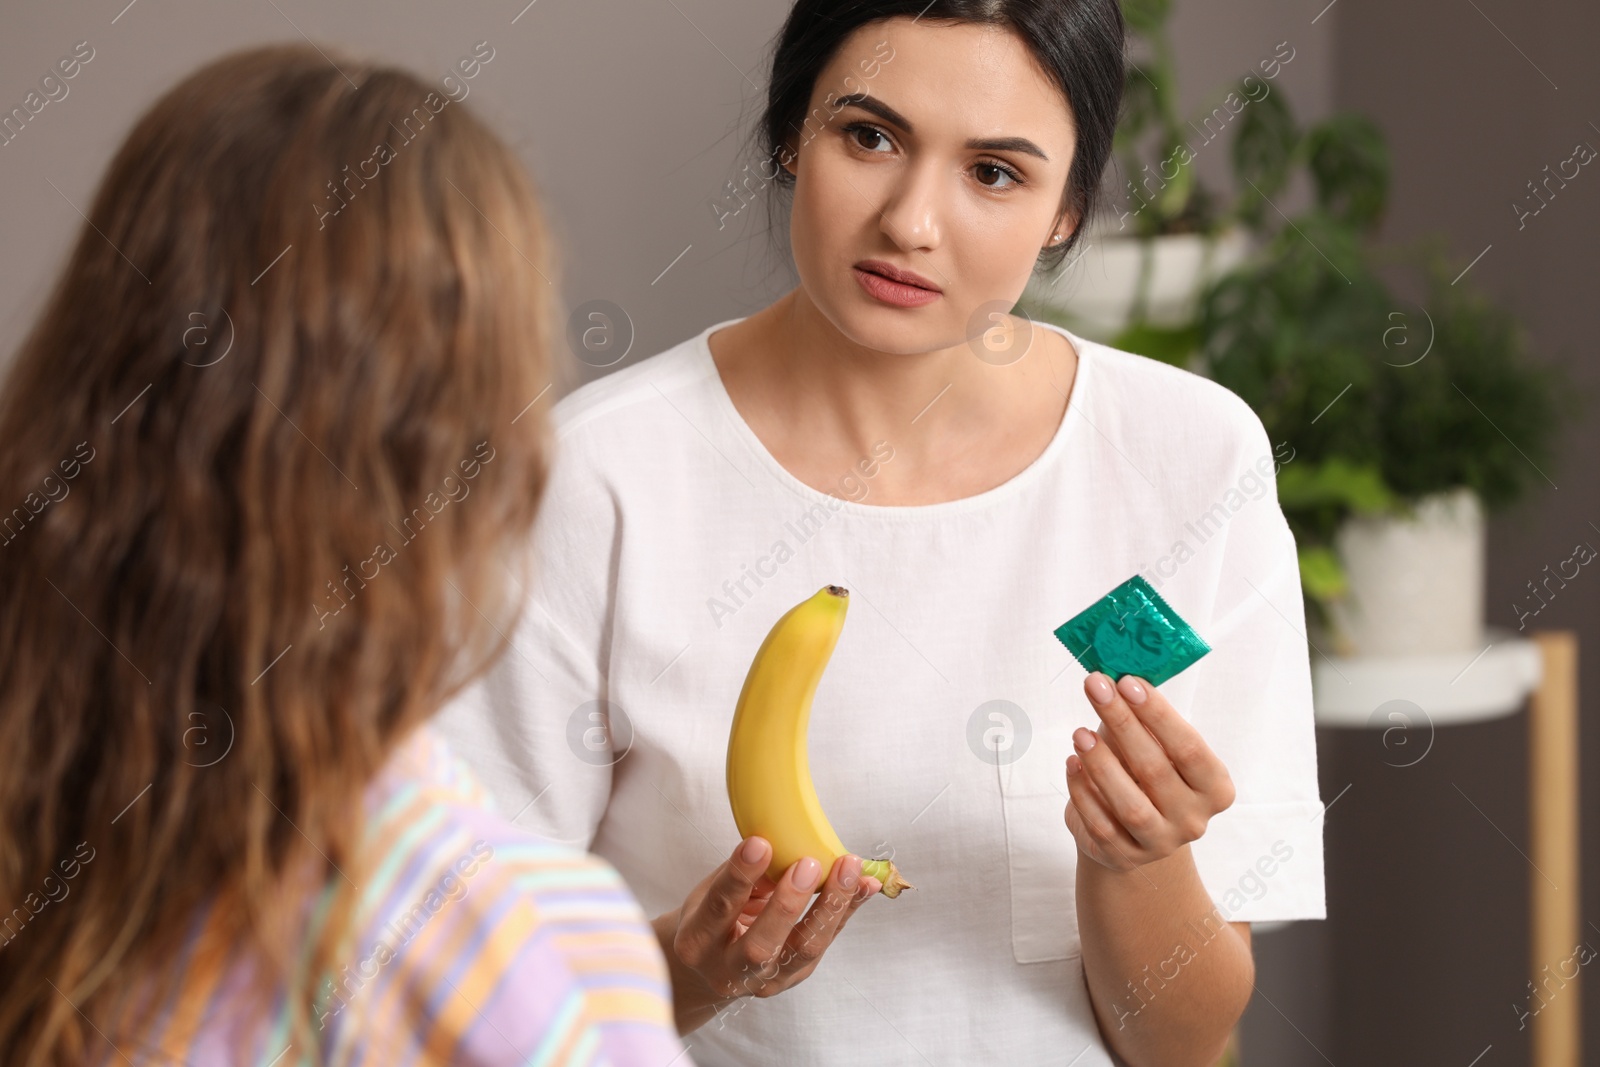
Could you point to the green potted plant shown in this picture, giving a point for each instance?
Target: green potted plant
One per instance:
(1409, 419)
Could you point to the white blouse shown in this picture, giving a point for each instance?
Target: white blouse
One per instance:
(671, 540)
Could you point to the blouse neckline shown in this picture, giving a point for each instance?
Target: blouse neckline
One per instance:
(1016, 484)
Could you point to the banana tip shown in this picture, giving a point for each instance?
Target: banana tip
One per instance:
(893, 884)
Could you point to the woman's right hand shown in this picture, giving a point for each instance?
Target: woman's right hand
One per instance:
(739, 934)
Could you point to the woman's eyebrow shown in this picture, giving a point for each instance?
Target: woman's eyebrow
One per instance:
(867, 102)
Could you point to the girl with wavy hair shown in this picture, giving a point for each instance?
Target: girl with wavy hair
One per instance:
(274, 448)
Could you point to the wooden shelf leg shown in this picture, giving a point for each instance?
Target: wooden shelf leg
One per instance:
(1557, 1000)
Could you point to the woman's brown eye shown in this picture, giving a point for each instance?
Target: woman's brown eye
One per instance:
(998, 172)
(867, 131)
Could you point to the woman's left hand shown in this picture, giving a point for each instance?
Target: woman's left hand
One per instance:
(1146, 783)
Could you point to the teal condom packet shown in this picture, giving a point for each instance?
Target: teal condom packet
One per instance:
(1131, 630)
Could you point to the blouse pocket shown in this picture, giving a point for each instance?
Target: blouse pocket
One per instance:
(1042, 857)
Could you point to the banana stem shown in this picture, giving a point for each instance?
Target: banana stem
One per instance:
(886, 872)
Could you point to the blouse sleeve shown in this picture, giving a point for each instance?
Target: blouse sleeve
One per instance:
(1261, 859)
(536, 728)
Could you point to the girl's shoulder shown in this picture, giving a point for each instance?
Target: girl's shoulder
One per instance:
(472, 941)
(455, 896)
(428, 812)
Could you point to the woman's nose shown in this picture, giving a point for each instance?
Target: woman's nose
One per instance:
(912, 214)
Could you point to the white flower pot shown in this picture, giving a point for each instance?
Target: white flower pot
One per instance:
(1416, 585)
(1098, 286)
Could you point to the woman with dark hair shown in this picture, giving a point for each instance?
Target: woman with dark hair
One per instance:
(1086, 870)
(275, 453)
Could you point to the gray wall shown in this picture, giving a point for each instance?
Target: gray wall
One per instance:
(632, 115)
(629, 113)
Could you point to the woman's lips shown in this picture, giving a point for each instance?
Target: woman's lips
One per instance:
(896, 294)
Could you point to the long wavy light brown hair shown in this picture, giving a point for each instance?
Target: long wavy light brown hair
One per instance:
(233, 397)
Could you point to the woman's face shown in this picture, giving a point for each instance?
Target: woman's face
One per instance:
(948, 159)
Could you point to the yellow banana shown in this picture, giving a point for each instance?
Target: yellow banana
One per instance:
(769, 771)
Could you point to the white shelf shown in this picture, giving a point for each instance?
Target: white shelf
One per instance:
(1446, 688)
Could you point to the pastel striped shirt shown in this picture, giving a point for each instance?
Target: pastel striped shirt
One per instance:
(479, 944)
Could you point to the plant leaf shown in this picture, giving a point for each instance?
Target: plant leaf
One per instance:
(1321, 575)
(1359, 487)
(1169, 344)
(1350, 168)
(1140, 110)
(1262, 151)
(1146, 16)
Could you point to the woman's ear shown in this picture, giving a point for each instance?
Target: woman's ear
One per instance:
(1063, 230)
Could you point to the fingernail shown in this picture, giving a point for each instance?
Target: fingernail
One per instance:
(1074, 765)
(1084, 738)
(851, 872)
(754, 849)
(1099, 689)
(1132, 691)
(869, 886)
(805, 873)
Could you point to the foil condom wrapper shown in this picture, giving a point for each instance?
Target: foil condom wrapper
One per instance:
(1132, 630)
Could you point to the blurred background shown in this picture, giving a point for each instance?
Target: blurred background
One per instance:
(1377, 222)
